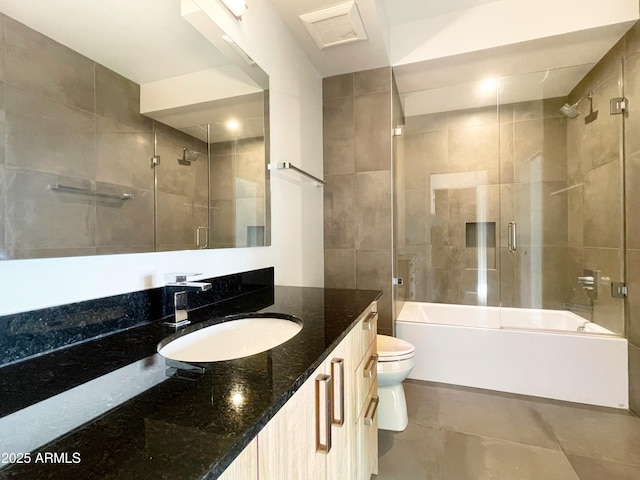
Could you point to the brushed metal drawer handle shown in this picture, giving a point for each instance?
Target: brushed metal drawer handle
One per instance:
(370, 367)
(323, 413)
(373, 408)
(368, 323)
(337, 373)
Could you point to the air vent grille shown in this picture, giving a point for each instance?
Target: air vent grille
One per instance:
(335, 25)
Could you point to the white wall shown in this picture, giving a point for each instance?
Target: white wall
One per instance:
(500, 23)
(297, 242)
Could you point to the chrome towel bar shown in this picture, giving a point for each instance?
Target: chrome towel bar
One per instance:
(86, 191)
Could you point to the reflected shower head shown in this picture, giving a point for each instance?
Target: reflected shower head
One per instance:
(188, 156)
(571, 111)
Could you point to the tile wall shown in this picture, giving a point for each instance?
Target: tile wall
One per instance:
(68, 120)
(357, 167)
(631, 66)
(480, 169)
(237, 193)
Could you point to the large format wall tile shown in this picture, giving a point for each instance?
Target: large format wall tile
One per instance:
(540, 150)
(2, 210)
(371, 81)
(37, 63)
(339, 268)
(372, 132)
(339, 212)
(633, 304)
(373, 272)
(118, 99)
(338, 132)
(125, 159)
(172, 176)
(222, 223)
(632, 179)
(48, 136)
(541, 217)
(632, 92)
(338, 86)
(124, 222)
(175, 223)
(603, 206)
(373, 210)
(222, 174)
(3, 120)
(601, 138)
(607, 311)
(39, 218)
(634, 378)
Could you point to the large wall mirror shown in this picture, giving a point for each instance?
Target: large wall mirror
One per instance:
(128, 127)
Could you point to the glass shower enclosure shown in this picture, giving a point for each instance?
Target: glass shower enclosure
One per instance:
(509, 192)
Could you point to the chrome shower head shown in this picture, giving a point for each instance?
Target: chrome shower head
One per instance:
(188, 156)
(571, 111)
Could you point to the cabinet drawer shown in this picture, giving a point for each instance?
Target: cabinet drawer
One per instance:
(368, 436)
(368, 328)
(366, 376)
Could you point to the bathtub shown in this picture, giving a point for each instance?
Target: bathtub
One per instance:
(544, 353)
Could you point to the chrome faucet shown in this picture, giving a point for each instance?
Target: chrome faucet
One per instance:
(180, 280)
(590, 281)
(180, 305)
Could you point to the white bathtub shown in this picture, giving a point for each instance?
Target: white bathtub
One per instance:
(545, 353)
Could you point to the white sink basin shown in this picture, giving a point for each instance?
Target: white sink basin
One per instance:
(231, 339)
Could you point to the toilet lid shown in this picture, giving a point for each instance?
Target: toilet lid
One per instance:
(392, 349)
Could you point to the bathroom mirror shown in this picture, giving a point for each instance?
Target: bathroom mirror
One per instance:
(132, 140)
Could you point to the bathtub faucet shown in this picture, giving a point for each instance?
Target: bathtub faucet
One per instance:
(589, 281)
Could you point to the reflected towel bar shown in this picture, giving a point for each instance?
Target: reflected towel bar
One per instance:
(86, 191)
(290, 166)
(562, 190)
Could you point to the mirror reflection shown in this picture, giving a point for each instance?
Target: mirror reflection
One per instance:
(114, 146)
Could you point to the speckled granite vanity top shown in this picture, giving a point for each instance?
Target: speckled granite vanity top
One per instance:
(138, 415)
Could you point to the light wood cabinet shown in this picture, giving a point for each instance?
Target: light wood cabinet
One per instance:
(339, 397)
(245, 466)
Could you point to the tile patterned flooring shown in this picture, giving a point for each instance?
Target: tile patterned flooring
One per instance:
(458, 433)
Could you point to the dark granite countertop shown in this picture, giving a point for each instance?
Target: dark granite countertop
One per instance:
(118, 410)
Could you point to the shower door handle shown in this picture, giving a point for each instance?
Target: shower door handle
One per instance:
(198, 236)
(512, 237)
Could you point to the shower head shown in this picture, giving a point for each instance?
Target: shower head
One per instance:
(571, 111)
(188, 156)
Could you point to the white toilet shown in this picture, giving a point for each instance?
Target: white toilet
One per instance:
(395, 362)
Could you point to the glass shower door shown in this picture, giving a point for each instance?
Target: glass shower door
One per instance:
(448, 196)
(181, 188)
(561, 193)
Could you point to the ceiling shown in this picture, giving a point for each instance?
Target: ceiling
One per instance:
(550, 63)
(167, 46)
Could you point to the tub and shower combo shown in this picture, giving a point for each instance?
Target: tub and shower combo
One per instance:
(546, 353)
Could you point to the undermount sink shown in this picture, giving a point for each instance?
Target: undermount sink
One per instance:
(235, 338)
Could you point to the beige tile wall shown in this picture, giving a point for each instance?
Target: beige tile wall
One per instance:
(631, 59)
(357, 199)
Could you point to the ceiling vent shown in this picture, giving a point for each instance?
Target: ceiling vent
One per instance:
(335, 25)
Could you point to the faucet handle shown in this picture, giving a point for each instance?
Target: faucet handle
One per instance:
(178, 277)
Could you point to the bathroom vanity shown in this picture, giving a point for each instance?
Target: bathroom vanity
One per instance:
(117, 409)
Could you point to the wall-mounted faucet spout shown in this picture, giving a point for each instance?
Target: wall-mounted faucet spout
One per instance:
(180, 305)
(180, 280)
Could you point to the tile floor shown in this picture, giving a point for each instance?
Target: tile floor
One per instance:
(458, 433)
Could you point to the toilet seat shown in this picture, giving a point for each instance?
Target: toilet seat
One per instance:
(391, 349)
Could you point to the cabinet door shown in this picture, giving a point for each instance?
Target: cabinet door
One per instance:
(245, 466)
(342, 456)
(287, 444)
